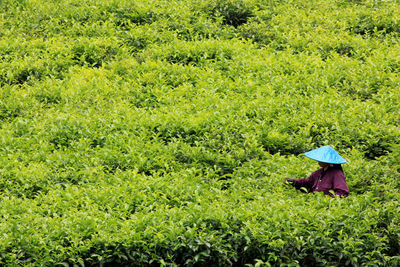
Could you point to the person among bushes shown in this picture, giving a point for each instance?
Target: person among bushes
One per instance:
(329, 179)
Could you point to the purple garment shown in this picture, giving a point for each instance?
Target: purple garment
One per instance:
(324, 181)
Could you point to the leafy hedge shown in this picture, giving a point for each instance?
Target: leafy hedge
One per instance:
(158, 133)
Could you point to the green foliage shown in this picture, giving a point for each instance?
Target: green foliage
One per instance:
(232, 12)
(159, 132)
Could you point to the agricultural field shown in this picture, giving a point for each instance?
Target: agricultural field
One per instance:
(137, 133)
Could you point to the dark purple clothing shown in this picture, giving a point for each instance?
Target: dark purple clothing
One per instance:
(323, 181)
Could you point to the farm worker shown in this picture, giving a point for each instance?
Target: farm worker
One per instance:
(329, 178)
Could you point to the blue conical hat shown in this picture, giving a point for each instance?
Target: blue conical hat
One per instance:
(325, 154)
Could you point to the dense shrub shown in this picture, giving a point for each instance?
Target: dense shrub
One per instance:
(158, 132)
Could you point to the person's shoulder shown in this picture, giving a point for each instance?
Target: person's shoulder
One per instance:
(317, 172)
(335, 171)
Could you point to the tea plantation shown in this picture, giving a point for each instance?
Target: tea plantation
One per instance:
(148, 133)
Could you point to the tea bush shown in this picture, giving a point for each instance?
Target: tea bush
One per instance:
(159, 132)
